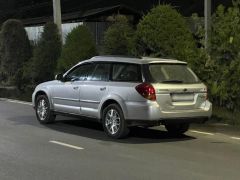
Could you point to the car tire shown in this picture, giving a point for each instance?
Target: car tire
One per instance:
(177, 129)
(43, 111)
(114, 123)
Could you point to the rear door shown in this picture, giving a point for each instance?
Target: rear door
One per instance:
(177, 87)
(94, 89)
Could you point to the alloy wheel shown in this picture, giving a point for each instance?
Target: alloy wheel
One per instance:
(112, 121)
(42, 109)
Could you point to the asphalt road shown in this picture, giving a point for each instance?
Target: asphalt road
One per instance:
(75, 149)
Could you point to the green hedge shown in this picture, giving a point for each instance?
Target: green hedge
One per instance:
(45, 55)
(79, 46)
(225, 57)
(118, 39)
(15, 52)
(163, 32)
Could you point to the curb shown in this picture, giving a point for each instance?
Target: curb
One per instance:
(16, 101)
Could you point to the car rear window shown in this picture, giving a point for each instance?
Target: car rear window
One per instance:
(126, 72)
(172, 73)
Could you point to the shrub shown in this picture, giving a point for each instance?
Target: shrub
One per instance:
(118, 39)
(223, 60)
(163, 32)
(46, 54)
(225, 37)
(197, 24)
(79, 46)
(225, 48)
(15, 51)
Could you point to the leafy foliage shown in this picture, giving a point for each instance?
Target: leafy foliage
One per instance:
(198, 29)
(163, 32)
(79, 46)
(15, 51)
(45, 55)
(224, 52)
(118, 39)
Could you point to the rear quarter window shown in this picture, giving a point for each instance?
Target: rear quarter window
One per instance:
(125, 72)
(101, 72)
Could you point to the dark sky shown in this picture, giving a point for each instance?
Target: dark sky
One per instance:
(38, 8)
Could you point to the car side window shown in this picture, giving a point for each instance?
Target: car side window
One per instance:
(126, 72)
(101, 72)
(80, 73)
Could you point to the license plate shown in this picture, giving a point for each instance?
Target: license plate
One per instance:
(182, 97)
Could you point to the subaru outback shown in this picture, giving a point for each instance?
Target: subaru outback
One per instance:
(121, 92)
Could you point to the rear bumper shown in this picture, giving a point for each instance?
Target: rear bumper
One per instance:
(185, 120)
(197, 120)
(152, 112)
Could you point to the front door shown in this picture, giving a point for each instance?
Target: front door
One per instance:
(65, 96)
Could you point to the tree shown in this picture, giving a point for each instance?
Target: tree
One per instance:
(118, 39)
(46, 54)
(79, 46)
(15, 51)
(163, 32)
(225, 48)
(203, 65)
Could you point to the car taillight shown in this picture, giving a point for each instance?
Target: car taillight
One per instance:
(147, 91)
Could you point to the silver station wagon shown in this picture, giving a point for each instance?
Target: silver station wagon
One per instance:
(121, 92)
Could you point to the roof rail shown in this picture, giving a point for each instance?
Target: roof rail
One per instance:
(163, 58)
(122, 56)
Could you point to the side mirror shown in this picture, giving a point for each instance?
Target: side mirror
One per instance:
(59, 77)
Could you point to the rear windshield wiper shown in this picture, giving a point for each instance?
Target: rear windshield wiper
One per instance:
(173, 81)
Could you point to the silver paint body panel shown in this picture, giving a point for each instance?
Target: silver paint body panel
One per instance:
(86, 98)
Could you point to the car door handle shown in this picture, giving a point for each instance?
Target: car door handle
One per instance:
(75, 88)
(103, 89)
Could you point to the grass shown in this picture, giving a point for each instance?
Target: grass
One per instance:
(223, 115)
(13, 93)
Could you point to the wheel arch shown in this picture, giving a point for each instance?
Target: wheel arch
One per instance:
(112, 100)
(42, 92)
